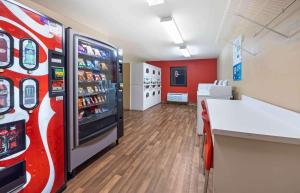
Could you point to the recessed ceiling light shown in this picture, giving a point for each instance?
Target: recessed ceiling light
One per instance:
(155, 2)
(185, 52)
(172, 29)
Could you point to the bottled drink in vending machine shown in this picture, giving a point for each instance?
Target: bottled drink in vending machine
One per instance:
(30, 53)
(3, 139)
(12, 138)
(3, 95)
(3, 50)
(29, 94)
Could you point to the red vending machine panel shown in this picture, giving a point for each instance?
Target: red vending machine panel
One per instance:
(32, 91)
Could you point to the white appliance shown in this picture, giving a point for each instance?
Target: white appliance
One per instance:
(145, 86)
(178, 97)
(218, 90)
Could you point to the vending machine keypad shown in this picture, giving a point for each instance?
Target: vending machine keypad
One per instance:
(56, 74)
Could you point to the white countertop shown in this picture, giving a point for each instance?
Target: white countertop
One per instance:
(238, 118)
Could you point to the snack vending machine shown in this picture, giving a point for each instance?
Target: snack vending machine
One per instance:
(92, 82)
(32, 148)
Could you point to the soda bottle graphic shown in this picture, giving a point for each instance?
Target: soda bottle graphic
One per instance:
(3, 95)
(30, 53)
(3, 50)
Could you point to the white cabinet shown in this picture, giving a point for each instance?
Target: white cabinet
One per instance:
(145, 86)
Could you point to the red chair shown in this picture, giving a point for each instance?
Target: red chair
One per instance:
(203, 105)
(208, 157)
(206, 126)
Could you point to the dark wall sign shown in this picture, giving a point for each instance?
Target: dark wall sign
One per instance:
(178, 76)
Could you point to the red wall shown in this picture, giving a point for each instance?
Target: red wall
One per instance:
(198, 71)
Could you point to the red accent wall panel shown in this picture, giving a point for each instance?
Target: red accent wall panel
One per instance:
(198, 71)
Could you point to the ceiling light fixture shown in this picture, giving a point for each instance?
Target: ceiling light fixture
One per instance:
(184, 51)
(172, 29)
(155, 2)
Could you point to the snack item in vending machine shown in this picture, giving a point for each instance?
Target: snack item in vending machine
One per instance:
(103, 77)
(103, 54)
(81, 63)
(89, 49)
(92, 100)
(99, 99)
(90, 89)
(80, 103)
(96, 89)
(96, 77)
(80, 115)
(80, 90)
(95, 99)
(97, 52)
(87, 100)
(3, 50)
(81, 49)
(104, 66)
(101, 87)
(89, 64)
(103, 98)
(81, 76)
(83, 102)
(89, 76)
(3, 95)
(97, 65)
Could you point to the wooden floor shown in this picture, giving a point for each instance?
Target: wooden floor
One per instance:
(158, 154)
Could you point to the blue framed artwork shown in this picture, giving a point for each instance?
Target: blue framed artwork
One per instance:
(237, 59)
(178, 76)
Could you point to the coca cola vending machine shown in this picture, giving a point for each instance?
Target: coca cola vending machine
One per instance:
(32, 91)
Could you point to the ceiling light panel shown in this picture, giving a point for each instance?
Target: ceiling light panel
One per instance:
(185, 52)
(172, 29)
(155, 2)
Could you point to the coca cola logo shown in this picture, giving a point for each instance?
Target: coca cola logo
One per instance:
(2, 51)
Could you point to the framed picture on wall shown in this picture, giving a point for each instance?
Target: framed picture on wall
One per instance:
(178, 76)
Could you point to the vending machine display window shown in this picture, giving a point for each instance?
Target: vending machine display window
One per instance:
(12, 138)
(6, 95)
(29, 54)
(6, 50)
(29, 93)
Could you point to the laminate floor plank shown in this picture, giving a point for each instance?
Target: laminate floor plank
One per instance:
(159, 153)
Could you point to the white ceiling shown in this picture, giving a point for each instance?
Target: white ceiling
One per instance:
(135, 27)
